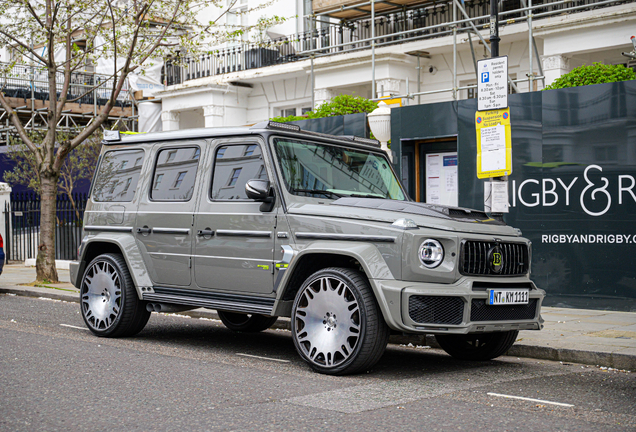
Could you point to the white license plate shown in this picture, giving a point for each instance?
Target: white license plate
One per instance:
(507, 296)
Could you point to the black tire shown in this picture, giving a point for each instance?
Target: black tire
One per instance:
(358, 344)
(477, 347)
(109, 303)
(247, 323)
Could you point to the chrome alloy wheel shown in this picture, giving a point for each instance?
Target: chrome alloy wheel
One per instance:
(327, 322)
(101, 295)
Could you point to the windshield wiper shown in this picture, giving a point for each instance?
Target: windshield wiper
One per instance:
(317, 191)
(355, 195)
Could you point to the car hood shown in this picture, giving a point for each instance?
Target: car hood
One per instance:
(424, 215)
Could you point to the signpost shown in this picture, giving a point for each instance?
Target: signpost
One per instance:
(492, 87)
(492, 122)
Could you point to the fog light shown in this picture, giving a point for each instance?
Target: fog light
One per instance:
(431, 253)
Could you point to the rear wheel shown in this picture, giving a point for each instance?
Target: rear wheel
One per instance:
(108, 299)
(249, 323)
(478, 347)
(337, 326)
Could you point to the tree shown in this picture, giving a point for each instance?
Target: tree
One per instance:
(597, 73)
(78, 166)
(130, 32)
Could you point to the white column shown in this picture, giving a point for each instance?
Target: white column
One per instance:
(5, 197)
(387, 87)
(213, 115)
(554, 66)
(170, 120)
(322, 95)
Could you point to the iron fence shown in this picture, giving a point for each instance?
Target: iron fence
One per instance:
(423, 21)
(22, 226)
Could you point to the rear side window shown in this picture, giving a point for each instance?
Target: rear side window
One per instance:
(175, 173)
(117, 177)
(234, 165)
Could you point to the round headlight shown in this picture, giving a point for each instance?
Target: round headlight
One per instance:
(431, 253)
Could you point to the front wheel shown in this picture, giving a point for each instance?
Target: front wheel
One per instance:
(249, 323)
(108, 299)
(477, 347)
(337, 326)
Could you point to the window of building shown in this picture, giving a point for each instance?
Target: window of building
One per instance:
(138, 162)
(158, 179)
(128, 181)
(249, 150)
(111, 184)
(184, 174)
(239, 164)
(294, 111)
(179, 179)
(262, 173)
(197, 153)
(236, 172)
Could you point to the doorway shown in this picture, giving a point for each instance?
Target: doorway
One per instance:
(429, 170)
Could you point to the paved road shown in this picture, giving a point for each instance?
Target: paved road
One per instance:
(193, 374)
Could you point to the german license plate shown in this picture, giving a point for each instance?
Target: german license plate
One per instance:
(507, 296)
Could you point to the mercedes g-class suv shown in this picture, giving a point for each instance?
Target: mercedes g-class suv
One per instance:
(270, 221)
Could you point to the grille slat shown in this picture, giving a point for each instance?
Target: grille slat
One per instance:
(475, 258)
(480, 311)
(436, 309)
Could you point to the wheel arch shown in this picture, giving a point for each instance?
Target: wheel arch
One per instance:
(125, 246)
(365, 258)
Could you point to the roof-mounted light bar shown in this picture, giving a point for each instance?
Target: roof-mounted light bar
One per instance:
(368, 141)
(286, 126)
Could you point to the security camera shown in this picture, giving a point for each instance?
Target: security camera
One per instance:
(432, 70)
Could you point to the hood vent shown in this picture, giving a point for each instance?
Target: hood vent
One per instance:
(422, 209)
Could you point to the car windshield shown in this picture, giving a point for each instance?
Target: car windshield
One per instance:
(327, 171)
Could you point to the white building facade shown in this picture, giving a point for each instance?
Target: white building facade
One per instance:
(424, 52)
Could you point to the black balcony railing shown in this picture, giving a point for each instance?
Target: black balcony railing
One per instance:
(432, 20)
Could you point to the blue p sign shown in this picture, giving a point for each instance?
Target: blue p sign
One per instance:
(485, 77)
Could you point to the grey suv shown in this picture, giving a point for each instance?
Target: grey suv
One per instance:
(271, 221)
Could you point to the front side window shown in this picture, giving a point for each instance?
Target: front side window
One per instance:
(179, 169)
(234, 165)
(328, 171)
(115, 182)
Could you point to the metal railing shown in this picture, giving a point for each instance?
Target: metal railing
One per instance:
(426, 21)
(22, 226)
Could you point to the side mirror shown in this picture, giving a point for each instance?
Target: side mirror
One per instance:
(261, 190)
(257, 189)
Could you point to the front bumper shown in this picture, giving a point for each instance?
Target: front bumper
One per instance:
(457, 308)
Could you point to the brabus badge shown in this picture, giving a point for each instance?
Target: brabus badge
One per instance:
(495, 259)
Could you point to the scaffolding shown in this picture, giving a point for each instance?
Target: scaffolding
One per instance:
(26, 89)
(467, 25)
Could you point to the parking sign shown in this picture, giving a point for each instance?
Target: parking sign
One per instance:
(492, 88)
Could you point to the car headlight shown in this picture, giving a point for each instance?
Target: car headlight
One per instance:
(431, 253)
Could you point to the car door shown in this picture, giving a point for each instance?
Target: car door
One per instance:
(233, 249)
(165, 214)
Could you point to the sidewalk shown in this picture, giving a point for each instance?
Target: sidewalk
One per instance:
(591, 337)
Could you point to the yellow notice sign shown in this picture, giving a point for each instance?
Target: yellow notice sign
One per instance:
(494, 144)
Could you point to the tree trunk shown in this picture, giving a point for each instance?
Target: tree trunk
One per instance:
(45, 263)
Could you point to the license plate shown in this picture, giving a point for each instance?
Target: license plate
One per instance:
(507, 296)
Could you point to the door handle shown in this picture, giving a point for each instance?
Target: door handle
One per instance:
(205, 232)
(144, 230)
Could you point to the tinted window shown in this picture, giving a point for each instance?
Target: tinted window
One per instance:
(234, 165)
(117, 177)
(175, 174)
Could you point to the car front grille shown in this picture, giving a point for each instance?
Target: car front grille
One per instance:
(480, 311)
(474, 258)
(436, 309)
